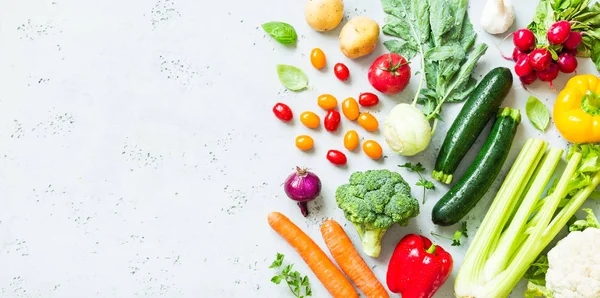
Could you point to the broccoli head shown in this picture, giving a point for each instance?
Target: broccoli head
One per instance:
(373, 201)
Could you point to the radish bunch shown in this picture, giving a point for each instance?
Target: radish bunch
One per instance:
(544, 62)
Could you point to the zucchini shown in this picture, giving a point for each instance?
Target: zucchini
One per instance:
(471, 187)
(477, 111)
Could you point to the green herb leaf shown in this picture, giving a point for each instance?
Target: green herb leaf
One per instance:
(297, 283)
(278, 260)
(276, 279)
(537, 113)
(418, 168)
(282, 32)
(292, 77)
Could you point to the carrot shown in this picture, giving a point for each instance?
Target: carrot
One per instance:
(350, 261)
(330, 276)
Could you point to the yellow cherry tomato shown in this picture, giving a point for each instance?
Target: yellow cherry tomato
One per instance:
(317, 58)
(350, 108)
(310, 119)
(372, 149)
(351, 140)
(327, 101)
(304, 142)
(368, 122)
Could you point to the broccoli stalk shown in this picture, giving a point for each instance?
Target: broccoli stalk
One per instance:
(373, 201)
(370, 238)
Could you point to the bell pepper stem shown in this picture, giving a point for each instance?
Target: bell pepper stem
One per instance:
(431, 249)
(590, 103)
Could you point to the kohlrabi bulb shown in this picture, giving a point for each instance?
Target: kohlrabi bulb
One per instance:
(406, 130)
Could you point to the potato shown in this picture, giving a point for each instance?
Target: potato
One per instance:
(324, 15)
(359, 37)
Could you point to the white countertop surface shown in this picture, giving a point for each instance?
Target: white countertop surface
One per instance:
(139, 155)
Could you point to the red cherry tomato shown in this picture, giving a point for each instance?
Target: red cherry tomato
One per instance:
(336, 157)
(283, 112)
(332, 120)
(368, 99)
(341, 71)
(389, 73)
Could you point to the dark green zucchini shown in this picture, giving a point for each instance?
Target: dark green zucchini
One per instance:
(477, 111)
(471, 187)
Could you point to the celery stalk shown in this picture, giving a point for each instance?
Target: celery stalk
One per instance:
(503, 283)
(471, 280)
(507, 246)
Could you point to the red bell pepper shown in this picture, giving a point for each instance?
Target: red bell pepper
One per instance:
(418, 268)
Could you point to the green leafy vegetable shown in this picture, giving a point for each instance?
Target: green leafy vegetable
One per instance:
(521, 222)
(584, 18)
(419, 169)
(536, 273)
(292, 77)
(537, 113)
(298, 284)
(442, 34)
(590, 221)
(457, 235)
(282, 32)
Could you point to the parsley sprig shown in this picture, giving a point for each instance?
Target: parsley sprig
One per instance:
(298, 284)
(457, 235)
(418, 168)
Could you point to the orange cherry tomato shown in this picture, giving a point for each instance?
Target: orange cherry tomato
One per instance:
(310, 119)
(327, 101)
(317, 58)
(304, 142)
(372, 149)
(368, 122)
(350, 108)
(351, 140)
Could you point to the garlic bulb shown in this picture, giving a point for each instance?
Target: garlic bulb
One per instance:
(497, 16)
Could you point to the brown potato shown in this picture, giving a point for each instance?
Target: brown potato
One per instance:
(359, 37)
(324, 15)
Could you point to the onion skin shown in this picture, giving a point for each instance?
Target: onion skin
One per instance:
(302, 186)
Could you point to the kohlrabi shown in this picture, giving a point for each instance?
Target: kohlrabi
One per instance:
(446, 46)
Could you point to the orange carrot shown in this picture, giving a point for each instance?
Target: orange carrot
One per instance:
(350, 261)
(330, 276)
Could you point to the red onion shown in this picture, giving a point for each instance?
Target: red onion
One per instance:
(302, 186)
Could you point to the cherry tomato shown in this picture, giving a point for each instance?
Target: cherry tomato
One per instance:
(389, 73)
(336, 157)
(310, 119)
(283, 112)
(327, 101)
(351, 140)
(372, 149)
(304, 142)
(368, 99)
(350, 108)
(317, 58)
(341, 71)
(368, 122)
(332, 120)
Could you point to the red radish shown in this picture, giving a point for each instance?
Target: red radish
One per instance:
(517, 54)
(524, 40)
(572, 52)
(540, 59)
(549, 74)
(559, 32)
(529, 79)
(573, 41)
(522, 67)
(567, 63)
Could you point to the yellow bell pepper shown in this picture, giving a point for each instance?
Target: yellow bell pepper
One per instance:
(577, 110)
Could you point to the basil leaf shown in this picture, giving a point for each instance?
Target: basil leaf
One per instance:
(282, 32)
(537, 113)
(292, 77)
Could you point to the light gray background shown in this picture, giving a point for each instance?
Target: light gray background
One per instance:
(139, 156)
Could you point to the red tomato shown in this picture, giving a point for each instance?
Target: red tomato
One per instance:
(389, 73)
(283, 112)
(336, 157)
(332, 120)
(368, 99)
(341, 71)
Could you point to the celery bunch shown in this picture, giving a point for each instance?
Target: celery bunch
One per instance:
(521, 223)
